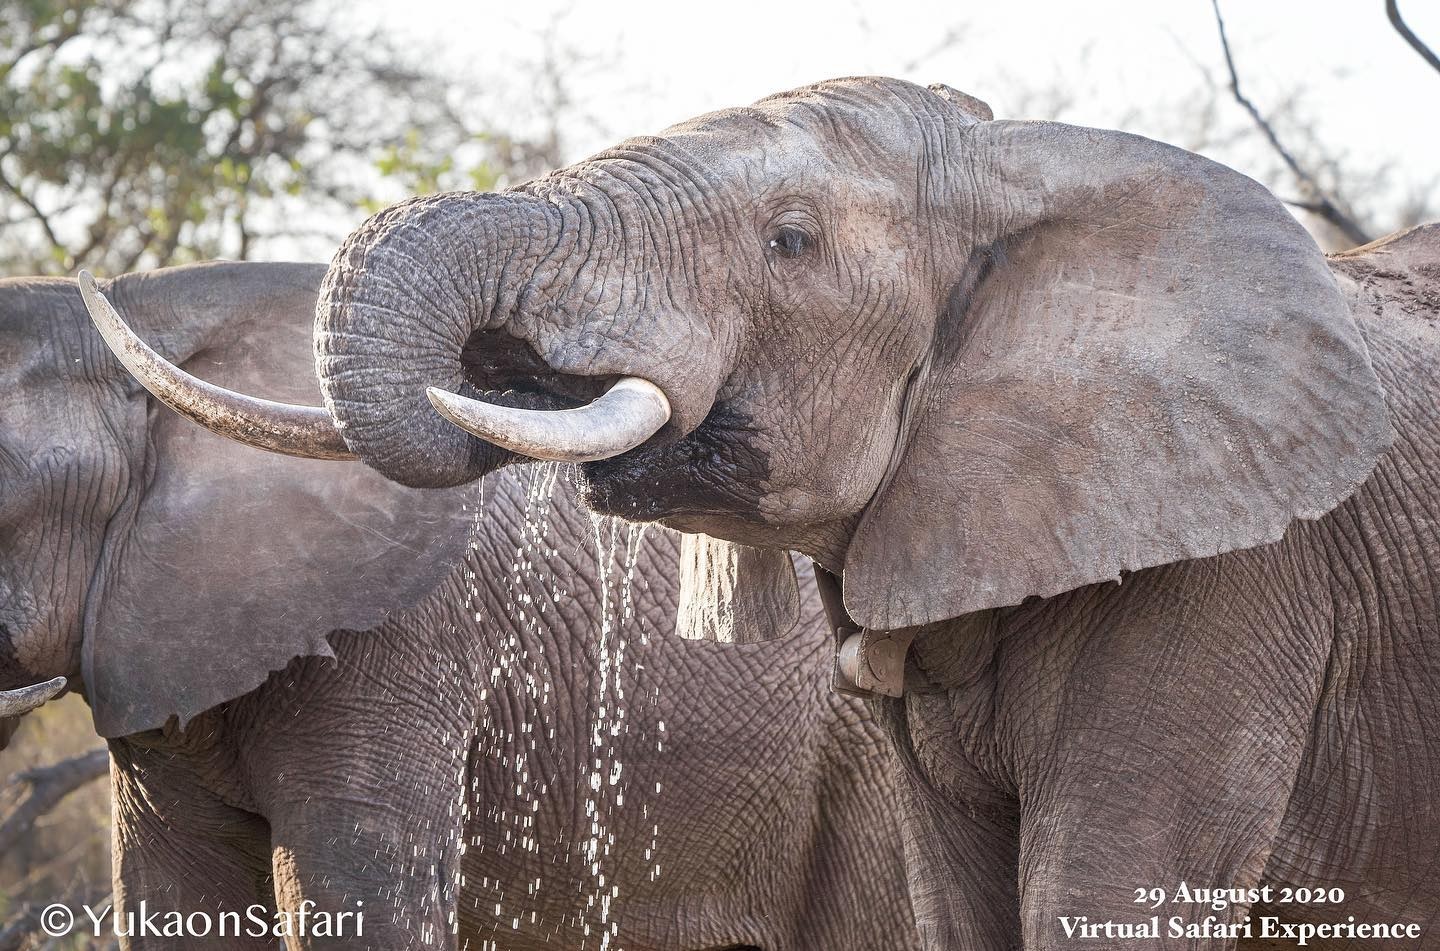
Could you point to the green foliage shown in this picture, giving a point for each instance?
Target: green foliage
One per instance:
(484, 161)
(139, 133)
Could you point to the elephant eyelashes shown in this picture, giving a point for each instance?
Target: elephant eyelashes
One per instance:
(790, 242)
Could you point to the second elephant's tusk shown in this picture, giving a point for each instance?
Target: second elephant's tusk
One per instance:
(305, 431)
(14, 703)
(622, 418)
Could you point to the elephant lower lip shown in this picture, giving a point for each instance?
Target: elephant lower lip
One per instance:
(712, 471)
(616, 486)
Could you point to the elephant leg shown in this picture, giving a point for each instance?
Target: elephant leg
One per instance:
(1180, 769)
(961, 835)
(361, 767)
(181, 845)
(856, 888)
(391, 869)
(1087, 873)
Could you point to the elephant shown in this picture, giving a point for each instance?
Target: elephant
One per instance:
(448, 710)
(1122, 495)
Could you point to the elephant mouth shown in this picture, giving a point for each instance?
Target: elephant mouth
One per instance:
(708, 472)
(701, 473)
(506, 371)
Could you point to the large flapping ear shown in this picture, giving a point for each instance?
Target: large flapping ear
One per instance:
(231, 561)
(733, 593)
(1145, 360)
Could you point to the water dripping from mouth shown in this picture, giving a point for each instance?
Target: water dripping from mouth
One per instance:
(516, 676)
(513, 673)
(617, 549)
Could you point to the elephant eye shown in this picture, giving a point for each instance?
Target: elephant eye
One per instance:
(790, 242)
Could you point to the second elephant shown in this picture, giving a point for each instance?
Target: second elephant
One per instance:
(483, 752)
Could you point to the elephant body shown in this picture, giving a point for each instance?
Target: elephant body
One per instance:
(1262, 717)
(442, 766)
(512, 753)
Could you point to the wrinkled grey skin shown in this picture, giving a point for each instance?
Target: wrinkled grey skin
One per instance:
(156, 564)
(982, 371)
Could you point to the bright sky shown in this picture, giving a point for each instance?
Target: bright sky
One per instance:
(1133, 64)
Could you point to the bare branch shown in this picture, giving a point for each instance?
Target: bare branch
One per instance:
(951, 38)
(1393, 12)
(35, 213)
(1325, 207)
(1314, 207)
(13, 935)
(40, 42)
(26, 923)
(37, 791)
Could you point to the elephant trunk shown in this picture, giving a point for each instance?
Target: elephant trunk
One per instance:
(403, 297)
(503, 309)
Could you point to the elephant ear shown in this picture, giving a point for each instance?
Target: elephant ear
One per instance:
(976, 110)
(733, 593)
(1145, 360)
(230, 562)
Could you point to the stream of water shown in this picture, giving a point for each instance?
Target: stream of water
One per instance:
(515, 670)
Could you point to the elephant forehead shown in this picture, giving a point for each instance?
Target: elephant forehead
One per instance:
(842, 120)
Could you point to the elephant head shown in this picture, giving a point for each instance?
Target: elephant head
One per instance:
(957, 361)
(153, 566)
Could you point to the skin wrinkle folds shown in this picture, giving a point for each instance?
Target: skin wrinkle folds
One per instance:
(265, 730)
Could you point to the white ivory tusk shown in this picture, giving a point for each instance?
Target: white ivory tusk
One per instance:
(13, 703)
(617, 421)
(305, 431)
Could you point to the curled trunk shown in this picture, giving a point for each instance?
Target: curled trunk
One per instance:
(555, 296)
(402, 298)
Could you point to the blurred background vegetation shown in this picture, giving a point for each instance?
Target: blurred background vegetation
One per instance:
(141, 133)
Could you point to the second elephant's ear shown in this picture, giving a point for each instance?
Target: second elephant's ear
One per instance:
(1146, 359)
(733, 593)
(229, 561)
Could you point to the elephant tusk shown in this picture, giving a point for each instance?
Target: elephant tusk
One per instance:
(617, 421)
(305, 431)
(14, 703)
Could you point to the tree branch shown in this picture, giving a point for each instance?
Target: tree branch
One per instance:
(43, 788)
(25, 923)
(1314, 207)
(1324, 206)
(35, 213)
(39, 42)
(1392, 10)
